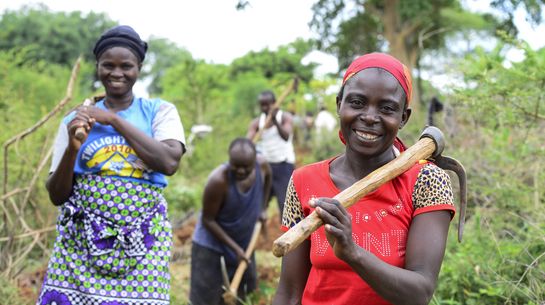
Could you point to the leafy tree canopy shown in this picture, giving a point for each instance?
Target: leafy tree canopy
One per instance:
(507, 96)
(162, 54)
(349, 28)
(287, 59)
(58, 37)
(533, 8)
(197, 88)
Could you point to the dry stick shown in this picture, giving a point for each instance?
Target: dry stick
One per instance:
(32, 183)
(39, 169)
(43, 246)
(29, 189)
(37, 240)
(7, 218)
(20, 136)
(40, 231)
(7, 257)
(19, 214)
(423, 149)
(230, 296)
(13, 192)
(37, 213)
(60, 105)
(6, 196)
(21, 256)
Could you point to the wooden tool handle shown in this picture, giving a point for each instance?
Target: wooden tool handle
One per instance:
(80, 131)
(243, 264)
(423, 149)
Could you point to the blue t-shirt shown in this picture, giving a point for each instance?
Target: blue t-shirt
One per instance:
(106, 152)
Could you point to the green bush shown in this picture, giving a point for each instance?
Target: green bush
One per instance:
(182, 198)
(502, 257)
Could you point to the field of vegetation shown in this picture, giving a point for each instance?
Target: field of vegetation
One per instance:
(493, 118)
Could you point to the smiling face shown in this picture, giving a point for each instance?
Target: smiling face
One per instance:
(241, 161)
(371, 111)
(118, 69)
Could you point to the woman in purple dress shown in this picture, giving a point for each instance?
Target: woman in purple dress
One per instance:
(114, 237)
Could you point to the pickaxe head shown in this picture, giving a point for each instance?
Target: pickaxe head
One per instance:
(448, 163)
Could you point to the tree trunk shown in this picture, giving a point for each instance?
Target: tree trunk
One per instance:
(397, 33)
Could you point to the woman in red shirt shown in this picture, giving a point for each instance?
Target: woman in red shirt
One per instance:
(388, 247)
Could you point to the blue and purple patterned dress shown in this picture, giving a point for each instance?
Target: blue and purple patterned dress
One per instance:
(114, 237)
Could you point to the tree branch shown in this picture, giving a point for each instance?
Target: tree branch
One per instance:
(20, 257)
(7, 218)
(424, 34)
(60, 105)
(372, 9)
(37, 172)
(31, 233)
(407, 29)
(534, 115)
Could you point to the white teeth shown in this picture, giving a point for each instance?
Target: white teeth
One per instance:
(366, 136)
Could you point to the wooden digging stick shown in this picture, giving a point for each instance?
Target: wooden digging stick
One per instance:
(425, 148)
(80, 131)
(279, 101)
(230, 296)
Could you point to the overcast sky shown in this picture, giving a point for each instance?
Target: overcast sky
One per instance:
(215, 31)
(210, 29)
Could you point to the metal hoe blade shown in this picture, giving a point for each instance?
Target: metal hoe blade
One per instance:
(448, 163)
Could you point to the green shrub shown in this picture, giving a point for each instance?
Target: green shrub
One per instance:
(500, 141)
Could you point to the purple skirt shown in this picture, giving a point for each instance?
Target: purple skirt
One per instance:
(113, 246)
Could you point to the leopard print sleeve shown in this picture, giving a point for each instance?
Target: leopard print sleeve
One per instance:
(293, 211)
(432, 190)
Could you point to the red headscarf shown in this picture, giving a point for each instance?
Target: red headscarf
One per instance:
(386, 62)
(390, 64)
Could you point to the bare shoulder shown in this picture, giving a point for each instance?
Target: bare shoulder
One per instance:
(287, 117)
(218, 177)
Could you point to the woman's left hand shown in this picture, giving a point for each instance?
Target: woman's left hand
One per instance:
(338, 226)
(99, 115)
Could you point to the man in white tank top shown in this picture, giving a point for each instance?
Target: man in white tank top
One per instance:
(275, 144)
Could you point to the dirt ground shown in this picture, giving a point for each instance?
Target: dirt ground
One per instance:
(268, 266)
